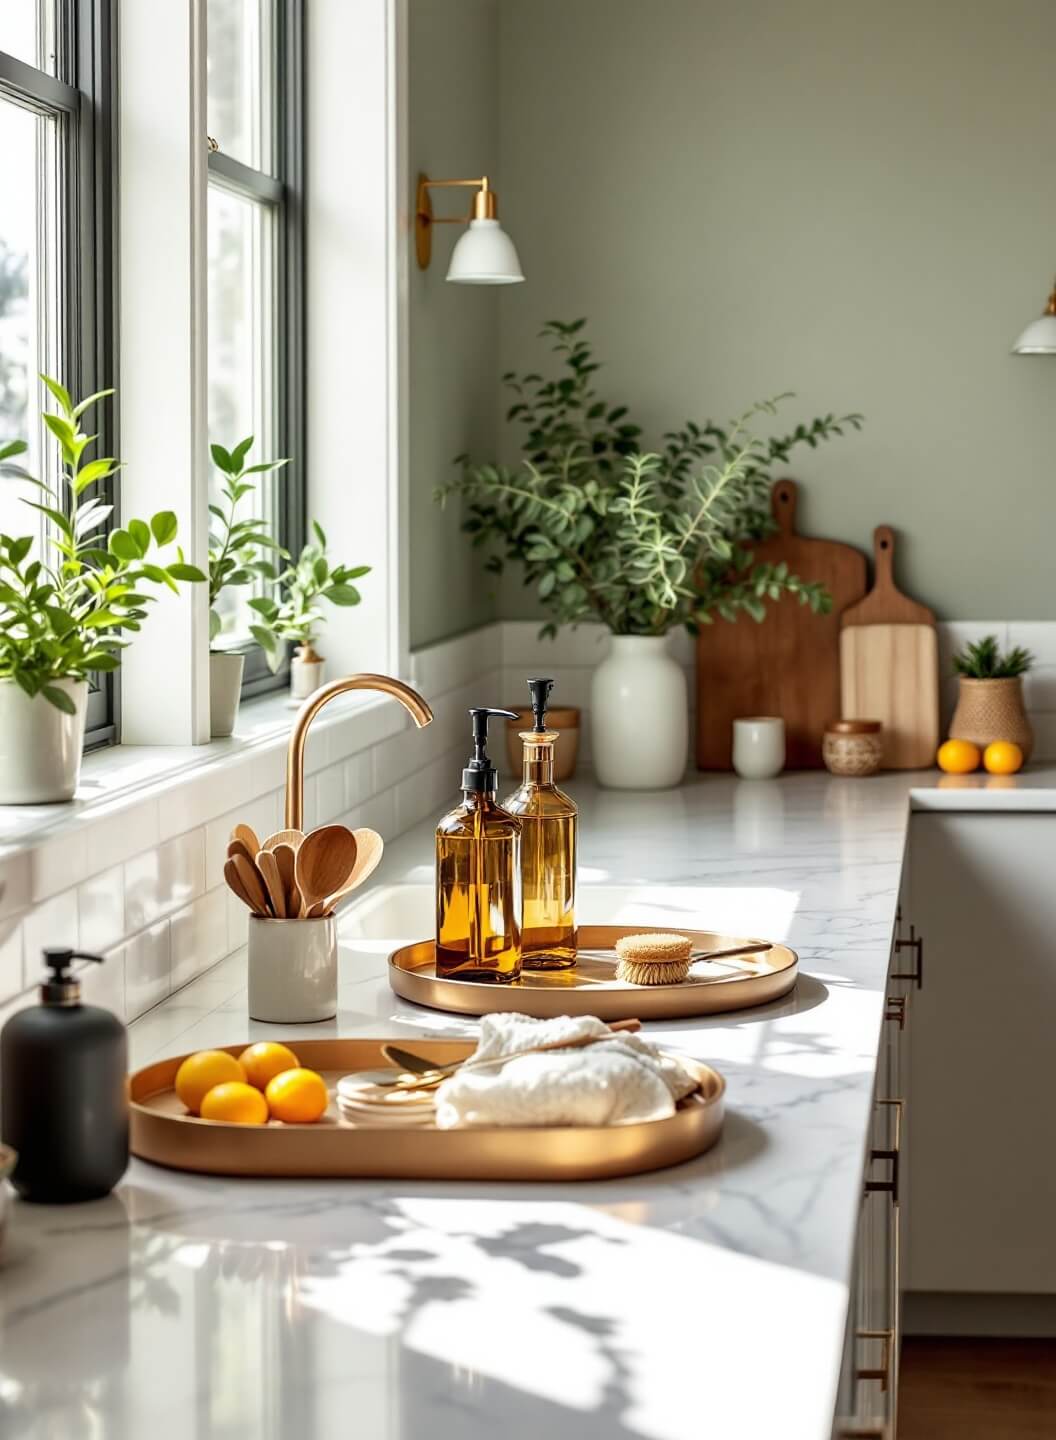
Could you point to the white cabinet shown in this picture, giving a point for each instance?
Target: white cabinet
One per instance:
(982, 1065)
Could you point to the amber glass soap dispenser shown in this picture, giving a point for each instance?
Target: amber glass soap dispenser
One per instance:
(548, 847)
(478, 875)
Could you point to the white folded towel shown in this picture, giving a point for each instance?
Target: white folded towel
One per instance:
(623, 1078)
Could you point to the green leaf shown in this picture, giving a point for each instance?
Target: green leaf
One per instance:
(101, 660)
(83, 405)
(163, 526)
(124, 545)
(319, 532)
(222, 460)
(265, 465)
(20, 548)
(343, 595)
(140, 532)
(93, 471)
(61, 394)
(13, 447)
(215, 625)
(55, 516)
(59, 699)
(63, 431)
(181, 571)
(266, 639)
(238, 454)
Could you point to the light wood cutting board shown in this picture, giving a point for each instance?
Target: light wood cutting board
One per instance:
(889, 665)
(789, 663)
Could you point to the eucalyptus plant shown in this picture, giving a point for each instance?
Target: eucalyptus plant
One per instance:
(68, 608)
(236, 544)
(296, 616)
(983, 660)
(638, 540)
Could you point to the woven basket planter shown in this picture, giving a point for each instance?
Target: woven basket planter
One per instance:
(990, 710)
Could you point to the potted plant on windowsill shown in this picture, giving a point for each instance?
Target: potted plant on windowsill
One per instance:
(68, 608)
(990, 702)
(296, 616)
(238, 555)
(639, 542)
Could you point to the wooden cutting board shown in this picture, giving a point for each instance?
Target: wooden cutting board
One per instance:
(889, 665)
(789, 663)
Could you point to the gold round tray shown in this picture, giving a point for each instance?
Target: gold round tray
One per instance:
(591, 988)
(162, 1131)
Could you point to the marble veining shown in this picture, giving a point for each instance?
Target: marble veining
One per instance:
(705, 1300)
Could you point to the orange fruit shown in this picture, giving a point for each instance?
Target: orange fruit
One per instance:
(297, 1096)
(958, 757)
(1002, 757)
(236, 1102)
(201, 1071)
(266, 1059)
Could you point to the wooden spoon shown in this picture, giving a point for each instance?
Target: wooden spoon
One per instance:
(237, 846)
(252, 883)
(369, 849)
(269, 870)
(286, 859)
(292, 838)
(236, 885)
(248, 837)
(325, 859)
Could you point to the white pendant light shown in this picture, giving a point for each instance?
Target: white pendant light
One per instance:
(1039, 338)
(485, 255)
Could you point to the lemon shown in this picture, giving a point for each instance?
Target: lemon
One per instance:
(201, 1071)
(1002, 757)
(236, 1102)
(297, 1096)
(266, 1059)
(958, 757)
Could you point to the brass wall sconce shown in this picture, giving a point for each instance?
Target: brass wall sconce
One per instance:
(1039, 338)
(485, 254)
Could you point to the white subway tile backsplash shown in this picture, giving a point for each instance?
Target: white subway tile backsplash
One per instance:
(101, 909)
(199, 936)
(11, 977)
(164, 879)
(1039, 637)
(53, 923)
(105, 984)
(262, 814)
(148, 969)
(359, 778)
(330, 794)
(1039, 689)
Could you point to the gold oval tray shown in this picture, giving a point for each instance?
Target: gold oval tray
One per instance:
(162, 1131)
(592, 988)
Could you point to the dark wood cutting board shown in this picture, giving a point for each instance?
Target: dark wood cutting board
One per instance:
(788, 664)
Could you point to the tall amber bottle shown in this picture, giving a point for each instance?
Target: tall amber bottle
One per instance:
(478, 875)
(548, 847)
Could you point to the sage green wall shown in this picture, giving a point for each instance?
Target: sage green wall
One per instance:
(853, 202)
(453, 329)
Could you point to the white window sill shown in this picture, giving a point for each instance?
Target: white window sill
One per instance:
(133, 797)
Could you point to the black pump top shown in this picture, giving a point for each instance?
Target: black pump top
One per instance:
(60, 987)
(540, 692)
(480, 776)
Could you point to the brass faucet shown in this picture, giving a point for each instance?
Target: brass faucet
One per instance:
(411, 701)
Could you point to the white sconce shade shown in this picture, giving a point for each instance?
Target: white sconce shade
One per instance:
(1039, 338)
(485, 255)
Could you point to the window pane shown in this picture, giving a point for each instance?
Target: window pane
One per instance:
(240, 86)
(241, 358)
(27, 31)
(29, 298)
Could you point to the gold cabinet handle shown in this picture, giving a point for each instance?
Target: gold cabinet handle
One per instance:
(882, 1372)
(916, 944)
(890, 1185)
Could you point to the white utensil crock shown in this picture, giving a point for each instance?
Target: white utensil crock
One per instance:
(40, 745)
(759, 747)
(306, 673)
(292, 970)
(639, 715)
(225, 690)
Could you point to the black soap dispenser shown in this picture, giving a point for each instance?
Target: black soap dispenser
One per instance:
(63, 1097)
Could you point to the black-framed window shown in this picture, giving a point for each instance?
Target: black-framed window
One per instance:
(57, 69)
(256, 270)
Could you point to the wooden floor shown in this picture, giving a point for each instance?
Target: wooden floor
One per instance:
(977, 1390)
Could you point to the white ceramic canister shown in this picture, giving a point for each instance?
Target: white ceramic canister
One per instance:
(639, 715)
(292, 970)
(225, 690)
(759, 747)
(40, 745)
(307, 670)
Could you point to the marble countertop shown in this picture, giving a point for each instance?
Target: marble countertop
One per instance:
(709, 1299)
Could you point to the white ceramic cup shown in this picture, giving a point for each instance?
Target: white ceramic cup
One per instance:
(759, 747)
(292, 969)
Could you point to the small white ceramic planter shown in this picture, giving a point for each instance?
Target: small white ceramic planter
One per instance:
(307, 670)
(759, 747)
(639, 715)
(225, 690)
(292, 970)
(40, 745)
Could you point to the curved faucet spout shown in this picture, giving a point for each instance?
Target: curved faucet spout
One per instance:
(411, 701)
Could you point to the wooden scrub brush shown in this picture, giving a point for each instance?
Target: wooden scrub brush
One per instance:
(660, 959)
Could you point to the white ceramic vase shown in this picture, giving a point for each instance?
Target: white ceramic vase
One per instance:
(225, 690)
(292, 970)
(307, 670)
(639, 715)
(40, 745)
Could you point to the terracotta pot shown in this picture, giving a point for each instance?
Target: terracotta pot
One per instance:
(565, 720)
(990, 710)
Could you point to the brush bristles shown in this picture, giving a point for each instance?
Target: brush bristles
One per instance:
(652, 972)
